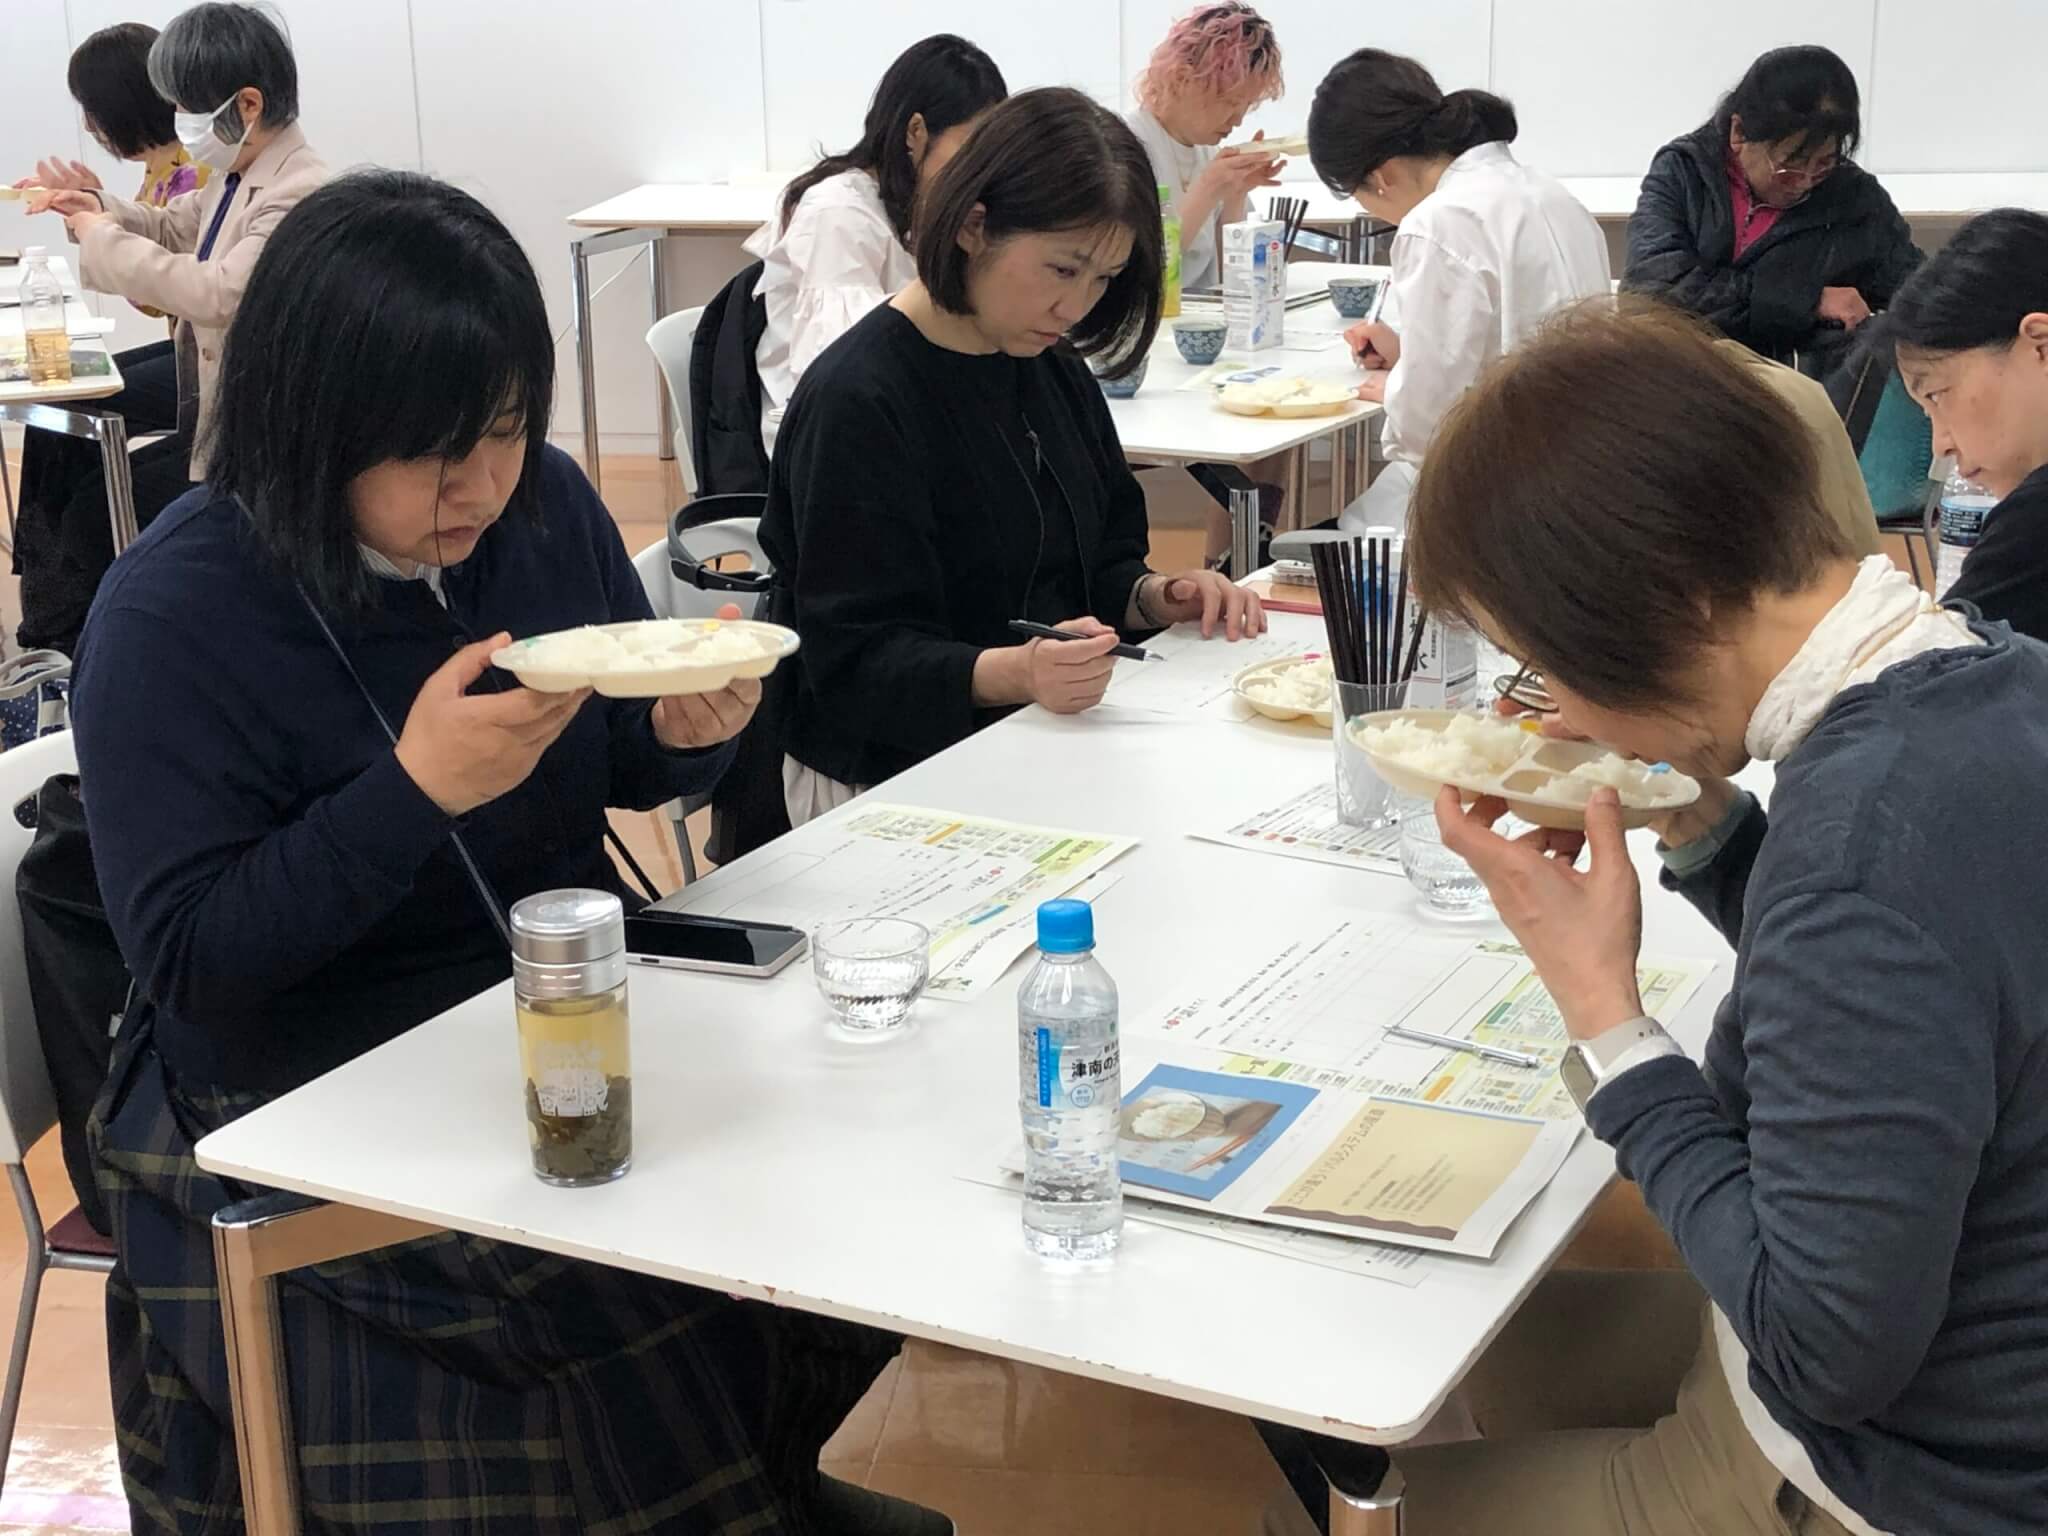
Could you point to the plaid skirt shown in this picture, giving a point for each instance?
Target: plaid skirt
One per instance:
(452, 1385)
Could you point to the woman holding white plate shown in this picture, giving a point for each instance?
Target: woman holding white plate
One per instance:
(1857, 1176)
(310, 804)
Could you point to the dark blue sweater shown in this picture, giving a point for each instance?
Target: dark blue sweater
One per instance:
(284, 893)
(1860, 1178)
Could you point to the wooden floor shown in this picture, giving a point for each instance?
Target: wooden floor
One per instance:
(1005, 1449)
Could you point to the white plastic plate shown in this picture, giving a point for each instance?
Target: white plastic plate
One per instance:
(1248, 687)
(1538, 784)
(647, 658)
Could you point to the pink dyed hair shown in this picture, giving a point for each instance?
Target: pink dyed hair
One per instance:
(1219, 47)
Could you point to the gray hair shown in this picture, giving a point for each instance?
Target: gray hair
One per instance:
(212, 51)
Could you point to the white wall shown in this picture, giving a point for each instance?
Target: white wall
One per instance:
(542, 107)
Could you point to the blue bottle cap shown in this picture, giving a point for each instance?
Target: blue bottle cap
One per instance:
(1066, 927)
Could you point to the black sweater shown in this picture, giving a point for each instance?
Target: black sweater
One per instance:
(1681, 248)
(284, 893)
(907, 527)
(2006, 575)
(1859, 1178)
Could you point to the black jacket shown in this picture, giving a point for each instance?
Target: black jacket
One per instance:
(2006, 574)
(1681, 248)
(905, 534)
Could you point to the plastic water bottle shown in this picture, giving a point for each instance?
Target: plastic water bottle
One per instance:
(1964, 506)
(1070, 1091)
(42, 319)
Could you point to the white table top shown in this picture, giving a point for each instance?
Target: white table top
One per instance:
(1164, 423)
(775, 1162)
(741, 206)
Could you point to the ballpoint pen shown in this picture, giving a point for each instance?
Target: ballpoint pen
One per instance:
(1453, 1043)
(1047, 632)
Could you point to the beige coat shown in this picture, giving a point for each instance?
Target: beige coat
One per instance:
(149, 256)
(1841, 479)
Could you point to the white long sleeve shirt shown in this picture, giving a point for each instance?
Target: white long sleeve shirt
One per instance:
(837, 260)
(1477, 265)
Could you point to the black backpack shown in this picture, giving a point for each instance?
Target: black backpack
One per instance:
(725, 391)
(76, 978)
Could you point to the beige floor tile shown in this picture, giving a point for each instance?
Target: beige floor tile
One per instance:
(986, 1503)
(66, 1386)
(954, 1409)
(53, 1460)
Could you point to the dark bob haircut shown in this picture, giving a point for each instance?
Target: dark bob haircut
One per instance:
(390, 317)
(1609, 494)
(1375, 106)
(109, 79)
(1803, 97)
(1042, 162)
(212, 51)
(947, 81)
(1975, 291)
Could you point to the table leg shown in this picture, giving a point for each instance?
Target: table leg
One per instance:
(657, 292)
(1300, 465)
(253, 1243)
(112, 433)
(7, 490)
(1340, 453)
(1244, 532)
(586, 357)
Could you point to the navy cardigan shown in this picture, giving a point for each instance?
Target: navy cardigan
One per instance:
(283, 892)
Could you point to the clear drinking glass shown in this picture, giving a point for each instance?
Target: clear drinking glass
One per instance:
(1363, 797)
(1443, 881)
(871, 971)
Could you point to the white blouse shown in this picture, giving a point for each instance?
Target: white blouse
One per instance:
(1477, 265)
(837, 260)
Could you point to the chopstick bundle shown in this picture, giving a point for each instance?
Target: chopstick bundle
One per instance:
(1340, 583)
(1365, 611)
(1292, 212)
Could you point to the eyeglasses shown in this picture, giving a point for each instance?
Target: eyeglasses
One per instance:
(1526, 689)
(1801, 175)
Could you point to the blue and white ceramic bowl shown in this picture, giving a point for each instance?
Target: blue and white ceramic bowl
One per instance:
(1125, 387)
(1353, 295)
(1200, 341)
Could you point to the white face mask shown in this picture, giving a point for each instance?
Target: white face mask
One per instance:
(200, 133)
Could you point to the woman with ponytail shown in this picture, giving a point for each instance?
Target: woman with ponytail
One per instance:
(840, 242)
(1487, 246)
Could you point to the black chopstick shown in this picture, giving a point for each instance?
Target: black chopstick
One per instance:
(1401, 620)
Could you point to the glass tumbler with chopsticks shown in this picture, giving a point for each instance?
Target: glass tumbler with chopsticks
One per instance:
(1374, 643)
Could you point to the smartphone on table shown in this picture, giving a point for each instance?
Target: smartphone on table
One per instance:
(689, 941)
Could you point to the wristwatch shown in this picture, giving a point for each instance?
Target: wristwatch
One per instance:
(1588, 1065)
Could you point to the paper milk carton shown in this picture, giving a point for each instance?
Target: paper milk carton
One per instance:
(1446, 672)
(1254, 284)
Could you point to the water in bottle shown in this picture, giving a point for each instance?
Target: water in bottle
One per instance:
(1070, 1091)
(42, 319)
(1964, 506)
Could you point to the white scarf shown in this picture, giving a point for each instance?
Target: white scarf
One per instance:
(1882, 620)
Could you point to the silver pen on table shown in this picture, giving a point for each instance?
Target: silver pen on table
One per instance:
(1453, 1043)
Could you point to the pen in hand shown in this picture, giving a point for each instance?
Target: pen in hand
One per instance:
(1047, 632)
